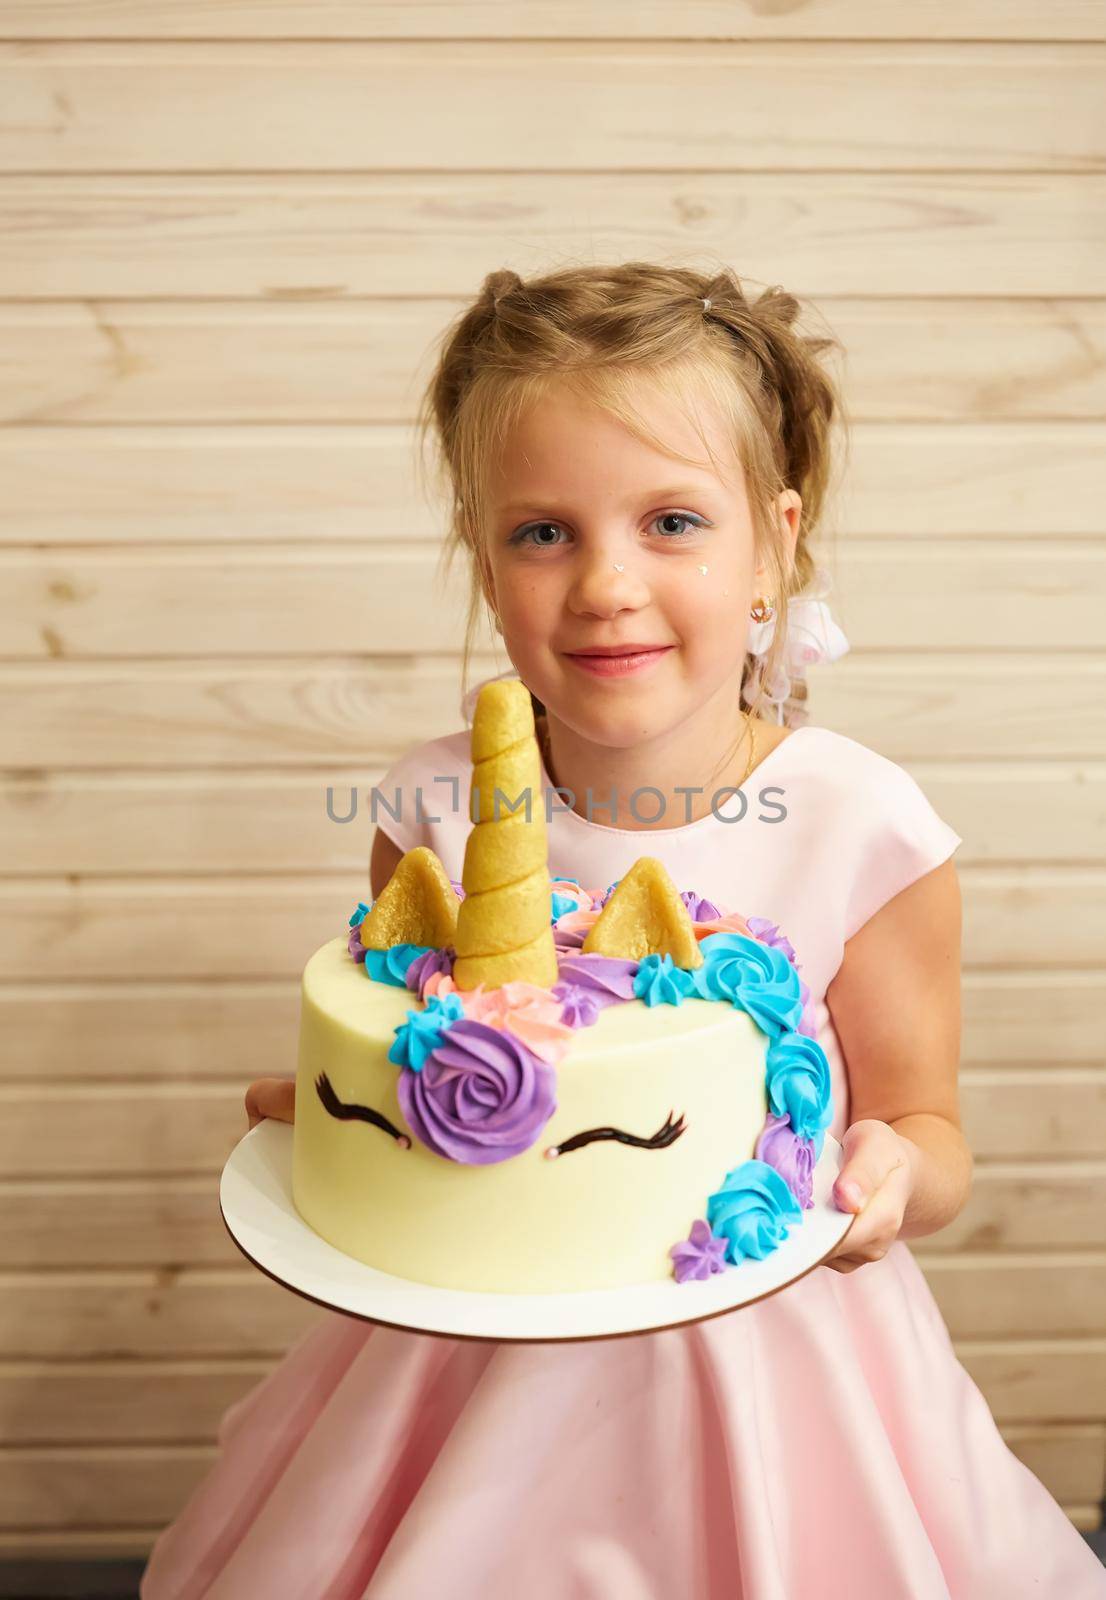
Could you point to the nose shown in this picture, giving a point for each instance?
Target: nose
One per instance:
(606, 582)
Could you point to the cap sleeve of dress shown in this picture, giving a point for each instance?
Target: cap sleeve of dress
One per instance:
(901, 839)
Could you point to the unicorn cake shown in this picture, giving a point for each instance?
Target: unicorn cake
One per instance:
(517, 1084)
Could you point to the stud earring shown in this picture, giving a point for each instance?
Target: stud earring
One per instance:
(762, 609)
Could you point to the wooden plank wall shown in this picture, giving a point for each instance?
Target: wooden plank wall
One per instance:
(229, 235)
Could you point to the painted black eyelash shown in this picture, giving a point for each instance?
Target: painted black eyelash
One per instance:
(665, 1135)
(354, 1113)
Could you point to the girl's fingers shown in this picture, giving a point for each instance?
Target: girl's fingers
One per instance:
(271, 1097)
(873, 1151)
(871, 1236)
(854, 1189)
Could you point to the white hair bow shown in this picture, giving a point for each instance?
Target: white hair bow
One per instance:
(812, 635)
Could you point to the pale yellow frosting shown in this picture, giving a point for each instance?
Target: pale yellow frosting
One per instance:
(596, 1217)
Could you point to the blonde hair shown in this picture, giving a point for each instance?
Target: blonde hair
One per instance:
(601, 330)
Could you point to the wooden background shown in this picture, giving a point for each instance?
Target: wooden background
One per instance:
(229, 235)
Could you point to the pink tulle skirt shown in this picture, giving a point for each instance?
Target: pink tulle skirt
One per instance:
(822, 1443)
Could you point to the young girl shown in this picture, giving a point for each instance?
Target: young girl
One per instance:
(637, 458)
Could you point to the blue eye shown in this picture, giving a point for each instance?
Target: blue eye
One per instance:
(693, 523)
(680, 516)
(520, 536)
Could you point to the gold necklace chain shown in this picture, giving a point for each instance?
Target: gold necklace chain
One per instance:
(752, 750)
(542, 729)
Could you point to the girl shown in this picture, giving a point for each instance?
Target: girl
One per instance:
(637, 459)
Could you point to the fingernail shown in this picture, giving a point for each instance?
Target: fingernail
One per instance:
(851, 1194)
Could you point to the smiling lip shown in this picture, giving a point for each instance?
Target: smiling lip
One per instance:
(613, 661)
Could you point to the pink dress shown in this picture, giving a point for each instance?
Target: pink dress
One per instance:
(823, 1442)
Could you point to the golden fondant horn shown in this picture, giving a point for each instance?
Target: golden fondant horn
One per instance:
(504, 931)
(645, 916)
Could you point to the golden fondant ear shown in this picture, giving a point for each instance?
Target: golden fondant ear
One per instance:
(503, 923)
(645, 916)
(417, 905)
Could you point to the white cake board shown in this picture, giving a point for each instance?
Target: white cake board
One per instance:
(255, 1196)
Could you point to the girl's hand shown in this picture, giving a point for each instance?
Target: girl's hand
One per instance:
(271, 1097)
(876, 1181)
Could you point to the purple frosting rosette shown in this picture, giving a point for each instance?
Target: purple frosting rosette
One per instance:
(425, 966)
(699, 908)
(588, 983)
(793, 1158)
(481, 1095)
(700, 1255)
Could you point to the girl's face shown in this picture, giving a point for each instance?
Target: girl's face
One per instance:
(598, 542)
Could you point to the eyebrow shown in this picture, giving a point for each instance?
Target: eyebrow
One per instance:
(678, 492)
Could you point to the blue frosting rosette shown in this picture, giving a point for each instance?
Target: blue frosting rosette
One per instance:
(752, 1210)
(390, 966)
(659, 981)
(798, 1085)
(757, 977)
(423, 1031)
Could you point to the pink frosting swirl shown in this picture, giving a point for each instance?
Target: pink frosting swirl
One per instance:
(731, 922)
(480, 1097)
(531, 1013)
(438, 983)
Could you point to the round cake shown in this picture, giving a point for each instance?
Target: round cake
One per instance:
(517, 1084)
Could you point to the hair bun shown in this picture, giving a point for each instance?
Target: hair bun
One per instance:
(500, 283)
(777, 306)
